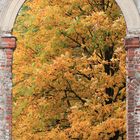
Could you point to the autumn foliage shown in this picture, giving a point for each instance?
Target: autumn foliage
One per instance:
(69, 71)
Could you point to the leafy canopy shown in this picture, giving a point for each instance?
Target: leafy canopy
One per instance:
(69, 71)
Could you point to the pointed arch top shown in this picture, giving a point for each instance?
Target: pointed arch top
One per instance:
(10, 8)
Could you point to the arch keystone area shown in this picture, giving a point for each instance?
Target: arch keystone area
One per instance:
(130, 9)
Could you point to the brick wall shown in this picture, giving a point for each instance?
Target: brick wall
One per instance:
(7, 47)
(133, 88)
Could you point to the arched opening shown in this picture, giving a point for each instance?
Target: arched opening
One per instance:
(133, 43)
(70, 53)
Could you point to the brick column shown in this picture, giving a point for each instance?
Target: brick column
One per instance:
(7, 46)
(133, 87)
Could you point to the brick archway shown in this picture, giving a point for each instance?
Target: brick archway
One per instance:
(8, 12)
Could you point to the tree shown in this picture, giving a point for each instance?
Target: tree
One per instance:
(70, 70)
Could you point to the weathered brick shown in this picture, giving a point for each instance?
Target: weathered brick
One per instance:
(133, 96)
(7, 47)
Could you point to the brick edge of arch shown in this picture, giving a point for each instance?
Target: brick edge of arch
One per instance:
(132, 44)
